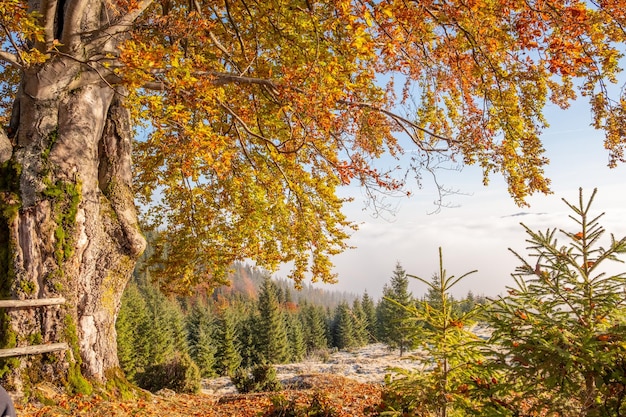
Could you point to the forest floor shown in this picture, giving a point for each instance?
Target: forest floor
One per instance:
(339, 396)
(344, 383)
(348, 383)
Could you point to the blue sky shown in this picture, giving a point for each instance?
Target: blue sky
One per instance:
(478, 233)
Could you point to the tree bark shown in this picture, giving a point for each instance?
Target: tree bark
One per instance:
(69, 221)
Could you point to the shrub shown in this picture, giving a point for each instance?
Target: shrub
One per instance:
(179, 373)
(259, 378)
(283, 407)
(320, 406)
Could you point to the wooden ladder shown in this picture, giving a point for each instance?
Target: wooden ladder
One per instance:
(33, 349)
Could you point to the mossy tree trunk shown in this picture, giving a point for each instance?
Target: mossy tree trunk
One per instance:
(68, 225)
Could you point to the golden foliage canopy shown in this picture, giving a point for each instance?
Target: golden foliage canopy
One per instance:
(250, 114)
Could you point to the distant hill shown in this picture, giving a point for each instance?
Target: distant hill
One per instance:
(246, 280)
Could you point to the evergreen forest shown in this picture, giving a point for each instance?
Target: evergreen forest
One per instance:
(255, 320)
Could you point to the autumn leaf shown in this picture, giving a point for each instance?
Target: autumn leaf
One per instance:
(347, 398)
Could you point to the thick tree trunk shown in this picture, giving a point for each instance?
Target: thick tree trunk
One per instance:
(69, 223)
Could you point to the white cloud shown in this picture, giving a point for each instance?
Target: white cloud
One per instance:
(477, 235)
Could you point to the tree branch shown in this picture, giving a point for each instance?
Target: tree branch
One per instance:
(399, 119)
(48, 11)
(88, 77)
(154, 86)
(244, 125)
(123, 24)
(10, 59)
(19, 60)
(72, 23)
(221, 78)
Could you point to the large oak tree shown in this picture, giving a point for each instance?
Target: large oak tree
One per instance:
(243, 118)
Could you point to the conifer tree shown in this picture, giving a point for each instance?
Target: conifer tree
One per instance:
(295, 335)
(158, 330)
(175, 323)
(227, 357)
(164, 329)
(343, 327)
(315, 329)
(329, 320)
(369, 310)
(200, 329)
(273, 344)
(133, 332)
(434, 295)
(469, 302)
(249, 340)
(288, 296)
(392, 314)
(359, 324)
(559, 335)
(280, 294)
(442, 388)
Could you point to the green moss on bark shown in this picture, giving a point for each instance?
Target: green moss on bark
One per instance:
(52, 138)
(9, 208)
(65, 198)
(76, 383)
(27, 287)
(7, 340)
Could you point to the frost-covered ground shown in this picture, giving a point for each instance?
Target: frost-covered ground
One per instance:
(367, 364)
